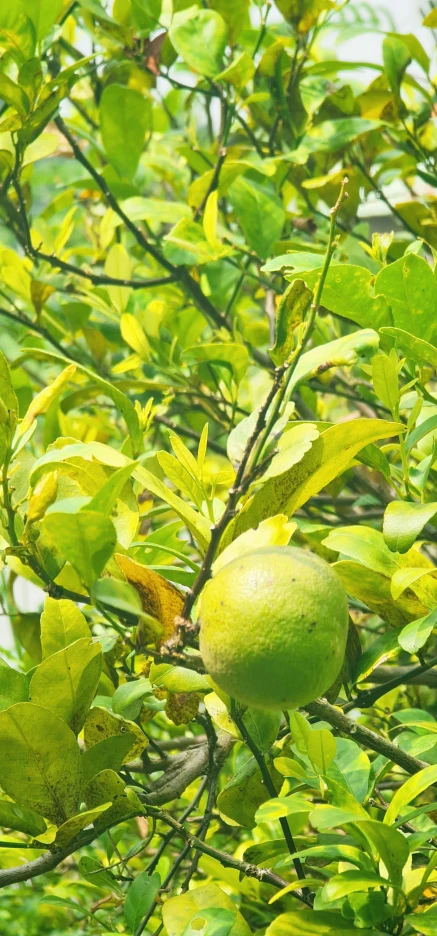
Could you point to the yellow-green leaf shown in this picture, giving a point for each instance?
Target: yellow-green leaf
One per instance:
(66, 681)
(41, 766)
(62, 623)
(330, 454)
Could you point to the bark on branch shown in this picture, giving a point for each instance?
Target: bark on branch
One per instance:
(327, 712)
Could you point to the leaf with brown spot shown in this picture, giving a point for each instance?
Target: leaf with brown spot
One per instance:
(159, 598)
(101, 724)
(182, 707)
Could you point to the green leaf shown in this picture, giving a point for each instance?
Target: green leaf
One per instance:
(391, 845)
(180, 477)
(385, 380)
(108, 787)
(329, 455)
(140, 897)
(109, 753)
(329, 853)
(186, 243)
(127, 699)
(412, 787)
(422, 430)
(120, 399)
(331, 136)
(376, 591)
(95, 873)
(61, 625)
(233, 356)
(404, 521)
(298, 261)
(14, 95)
(40, 117)
(70, 829)
(195, 522)
(244, 793)
(17, 32)
(314, 923)
(351, 768)
(124, 121)
(431, 19)
(348, 291)
(41, 768)
(290, 312)
(321, 749)
(14, 686)
(325, 817)
(349, 882)
(283, 806)
(178, 912)
(413, 347)
(101, 723)
(133, 334)
(199, 37)
(259, 213)
(30, 78)
(424, 923)
(262, 853)
(86, 539)
(118, 596)
(8, 407)
(262, 727)
(405, 578)
(414, 635)
(239, 72)
(20, 818)
(212, 922)
(219, 712)
(276, 531)
(45, 398)
(42, 13)
(342, 352)
(178, 678)
(152, 210)
(396, 58)
(119, 265)
(55, 901)
(410, 288)
(66, 682)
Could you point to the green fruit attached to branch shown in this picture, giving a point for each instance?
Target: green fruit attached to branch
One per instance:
(273, 627)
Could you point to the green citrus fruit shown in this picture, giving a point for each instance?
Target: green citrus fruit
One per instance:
(273, 627)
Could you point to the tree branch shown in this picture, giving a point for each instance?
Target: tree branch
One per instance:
(183, 769)
(327, 712)
(180, 273)
(368, 697)
(97, 279)
(384, 674)
(228, 861)
(39, 330)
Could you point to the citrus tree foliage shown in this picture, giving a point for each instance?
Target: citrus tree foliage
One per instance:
(205, 350)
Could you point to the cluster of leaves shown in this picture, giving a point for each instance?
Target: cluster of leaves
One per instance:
(205, 349)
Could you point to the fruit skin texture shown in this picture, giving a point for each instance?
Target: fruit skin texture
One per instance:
(273, 627)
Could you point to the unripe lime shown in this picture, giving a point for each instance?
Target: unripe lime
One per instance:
(273, 627)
